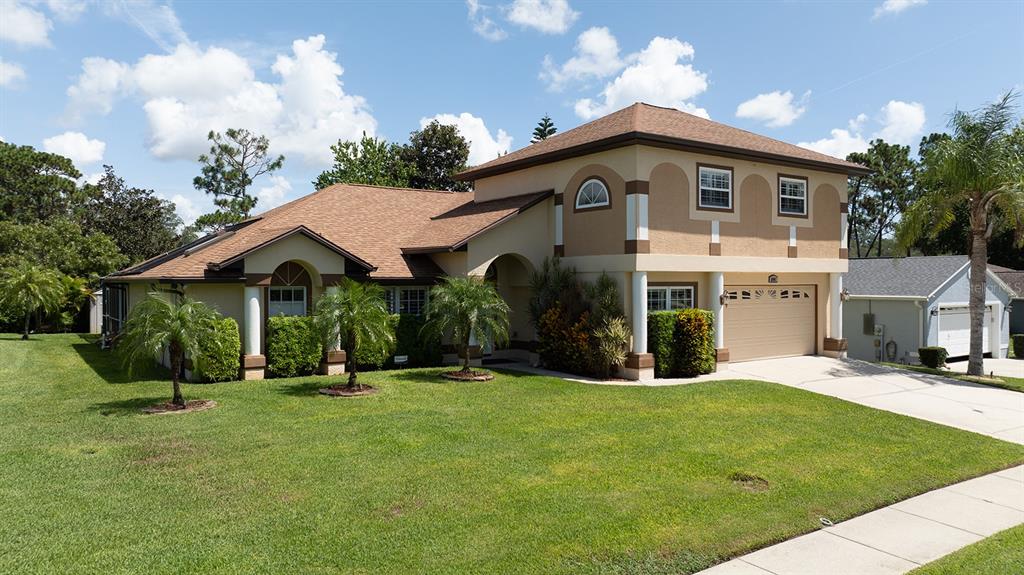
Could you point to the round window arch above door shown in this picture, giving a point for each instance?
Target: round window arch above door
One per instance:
(593, 193)
(290, 285)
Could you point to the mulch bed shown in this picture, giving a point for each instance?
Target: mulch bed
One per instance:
(190, 406)
(468, 375)
(346, 391)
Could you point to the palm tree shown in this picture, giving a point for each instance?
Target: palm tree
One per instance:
(26, 289)
(981, 166)
(357, 316)
(465, 307)
(162, 322)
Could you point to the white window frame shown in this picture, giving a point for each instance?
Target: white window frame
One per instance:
(579, 195)
(395, 294)
(701, 188)
(782, 195)
(271, 289)
(667, 292)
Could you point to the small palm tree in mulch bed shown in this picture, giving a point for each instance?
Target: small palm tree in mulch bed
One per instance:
(357, 316)
(167, 322)
(464, 307)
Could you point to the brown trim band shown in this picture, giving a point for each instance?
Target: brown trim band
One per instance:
(658, 141)
(722, 355)
(792, 251)
(331, 279)
(732, 189)
(642, 187)
(639, 360)
(559, 198)
(835, 344)
(714, 249)
(844, 253)
(778, 196)
(336, 356)
(844, 208)
(638, 246)
(258, 279)
(254, 361)
(559, 251)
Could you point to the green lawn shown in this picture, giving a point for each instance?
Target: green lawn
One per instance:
(1011, 383)
(520, 475)
(1001, 554)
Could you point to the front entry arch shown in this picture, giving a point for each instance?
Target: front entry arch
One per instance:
(510, 273)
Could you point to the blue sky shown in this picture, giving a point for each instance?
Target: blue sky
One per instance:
(138, 84)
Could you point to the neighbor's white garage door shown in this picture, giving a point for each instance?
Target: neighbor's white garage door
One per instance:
(955, 330)
(769, 321)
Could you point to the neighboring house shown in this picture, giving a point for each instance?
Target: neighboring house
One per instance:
(897, 305)
(1015, 280)
(680, 211)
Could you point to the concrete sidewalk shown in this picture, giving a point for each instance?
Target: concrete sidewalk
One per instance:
(1000, 367)
(898, 538)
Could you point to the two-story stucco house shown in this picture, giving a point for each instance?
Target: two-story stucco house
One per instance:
(679, 210)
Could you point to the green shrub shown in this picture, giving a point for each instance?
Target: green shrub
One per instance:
(293, 346)
(565, 345)
(661, 325)
(219, 357)
(934, 357)
(694, 340)
(612, 345)
(1017, 343)
(423, 349)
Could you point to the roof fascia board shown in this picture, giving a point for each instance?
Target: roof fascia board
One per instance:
(949, 280)
(892, 297)
(296, 230)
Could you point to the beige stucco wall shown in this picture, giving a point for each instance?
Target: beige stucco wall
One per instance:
(314, 256)
(453, 263)
(554, 176)
(529, 234)
(671, 229)
(594, 231)
(753, 233)
(225, 298)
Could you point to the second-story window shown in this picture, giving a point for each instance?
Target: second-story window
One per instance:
(593, 194)
(792, 196)
(715, 188)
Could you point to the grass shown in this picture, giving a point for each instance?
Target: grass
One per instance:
(524, 474)
(1000, 554)
(1005, 382)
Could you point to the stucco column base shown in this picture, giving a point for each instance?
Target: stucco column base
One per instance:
(333, 363)
(721, 358)
(638, 366)
(253, 367)
(834, 347)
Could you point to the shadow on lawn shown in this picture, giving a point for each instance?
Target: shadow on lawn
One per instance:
(107, 364)
(126, 407)
(311, 386)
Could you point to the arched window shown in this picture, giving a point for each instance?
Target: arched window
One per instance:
(592, 194)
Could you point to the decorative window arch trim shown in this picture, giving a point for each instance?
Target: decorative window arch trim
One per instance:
(607, 203)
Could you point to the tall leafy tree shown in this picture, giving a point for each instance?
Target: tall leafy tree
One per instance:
(355, 315)
(36, 186)
(369, 161)
(60, 245)
(877, 200)
(544, 130)
(981, 166)
(464, 308)
(140, 224)
(236, 158)
(26, 289)
(436, 153)
(162, 322)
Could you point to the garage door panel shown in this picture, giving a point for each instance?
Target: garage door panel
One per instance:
(762, 322)
(955, 330)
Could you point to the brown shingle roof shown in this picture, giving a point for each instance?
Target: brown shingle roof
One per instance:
(371, 224)
(644, 123)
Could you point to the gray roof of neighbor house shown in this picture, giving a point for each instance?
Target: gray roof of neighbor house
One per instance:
(1013, 278)
(914, 276)
(663, 127)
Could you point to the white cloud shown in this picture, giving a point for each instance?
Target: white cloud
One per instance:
(157, 21)
(597, 56)
(482, 24)
(77, 146)
(896, 6)
(547, 16)
(67, 10)
(774, 109)
(483, 147)
(899, 123)
(655, 76)
(93, 178)
(23, 26)
(275, 194)
(191, 91)
(186, 209)
(10, 74)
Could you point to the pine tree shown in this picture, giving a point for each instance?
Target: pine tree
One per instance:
(545, 128)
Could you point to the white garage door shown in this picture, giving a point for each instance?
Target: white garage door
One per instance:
(955, 330)
(769, 321)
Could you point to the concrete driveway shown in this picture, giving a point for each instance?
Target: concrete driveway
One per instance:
(1003, 367)
(979, 408)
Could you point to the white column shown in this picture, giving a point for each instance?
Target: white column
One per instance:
(792, 236)
(715, 237)
(844, 228)
(639, 312)
(253, 318)
(641, 220)
(337, 342)
(717, 288)
(631, 217)
(835, 299)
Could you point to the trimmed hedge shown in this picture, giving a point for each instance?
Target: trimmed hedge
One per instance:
(934, 357)
(293, 346)
(1017, 343)
(219, 357)
(423, 350)
(682, 342)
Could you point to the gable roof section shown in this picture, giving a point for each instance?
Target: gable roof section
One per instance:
(1013, 279)
(901, 277)
(369, 225)
(664, 127)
